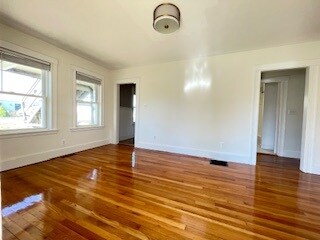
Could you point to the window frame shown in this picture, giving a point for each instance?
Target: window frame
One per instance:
(50, 109)
(100, 100)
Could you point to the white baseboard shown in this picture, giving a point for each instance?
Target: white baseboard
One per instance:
(223, 156)
(290, 154)
(126, 137)
(315, 170)
(267, 147)
(43, 156)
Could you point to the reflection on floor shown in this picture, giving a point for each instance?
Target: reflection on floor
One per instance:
(128, 142)
(118, 192)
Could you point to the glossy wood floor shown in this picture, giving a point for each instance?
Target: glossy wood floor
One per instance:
(108, 193)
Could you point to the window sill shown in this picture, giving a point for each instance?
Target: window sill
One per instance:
(27, 133)
(86, 128)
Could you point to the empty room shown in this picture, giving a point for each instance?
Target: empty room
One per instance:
(149, 119)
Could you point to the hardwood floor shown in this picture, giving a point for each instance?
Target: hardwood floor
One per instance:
(103, 194)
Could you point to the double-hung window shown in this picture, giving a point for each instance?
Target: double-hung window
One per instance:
(24, 91)
(88, 100)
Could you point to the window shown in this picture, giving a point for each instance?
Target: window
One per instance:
(88, 100)
(24, 92)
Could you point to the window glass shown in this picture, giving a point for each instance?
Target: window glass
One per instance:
(18, 112)
(87, 114)
(23, 92)
(21, 79)
(87, 100)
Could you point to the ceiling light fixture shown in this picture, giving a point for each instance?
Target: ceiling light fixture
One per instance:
(166, 18)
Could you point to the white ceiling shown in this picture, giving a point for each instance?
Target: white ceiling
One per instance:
(119, 33)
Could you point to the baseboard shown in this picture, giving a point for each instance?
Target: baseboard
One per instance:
(290, 154)
(223, 156)
(125, 137)
(267, 147)
(44, 156)
(315, 170)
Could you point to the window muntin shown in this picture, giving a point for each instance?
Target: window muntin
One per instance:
(23, 91)
(88, 104)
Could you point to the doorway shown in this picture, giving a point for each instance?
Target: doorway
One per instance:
(309, 126)
(281, 110)
(127, 114)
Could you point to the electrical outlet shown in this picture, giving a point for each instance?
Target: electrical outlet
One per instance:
(221, 144)
(63, 142)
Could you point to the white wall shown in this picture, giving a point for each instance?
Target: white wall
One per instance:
(316, 152)
(126, 125)
(269, 116)
(201, 107)
(29, 149)
(294, 115)
(193, 106)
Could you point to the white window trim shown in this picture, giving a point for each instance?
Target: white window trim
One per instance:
(100, 125)
(51, 109)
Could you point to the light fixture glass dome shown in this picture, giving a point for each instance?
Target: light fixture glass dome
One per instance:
(166, 18)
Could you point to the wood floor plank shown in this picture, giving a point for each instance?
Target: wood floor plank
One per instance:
(6, 234)
(112, 223)
(101, 194)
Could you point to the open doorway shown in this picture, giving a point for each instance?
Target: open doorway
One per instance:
(127, 114)
(281, 110)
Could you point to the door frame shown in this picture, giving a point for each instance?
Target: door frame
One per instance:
(276, 116)
(282, 93)
(116, 112)
(309, 111)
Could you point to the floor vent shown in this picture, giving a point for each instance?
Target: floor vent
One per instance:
(219, 163)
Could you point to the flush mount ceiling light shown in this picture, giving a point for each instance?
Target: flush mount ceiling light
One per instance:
(166, 18)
